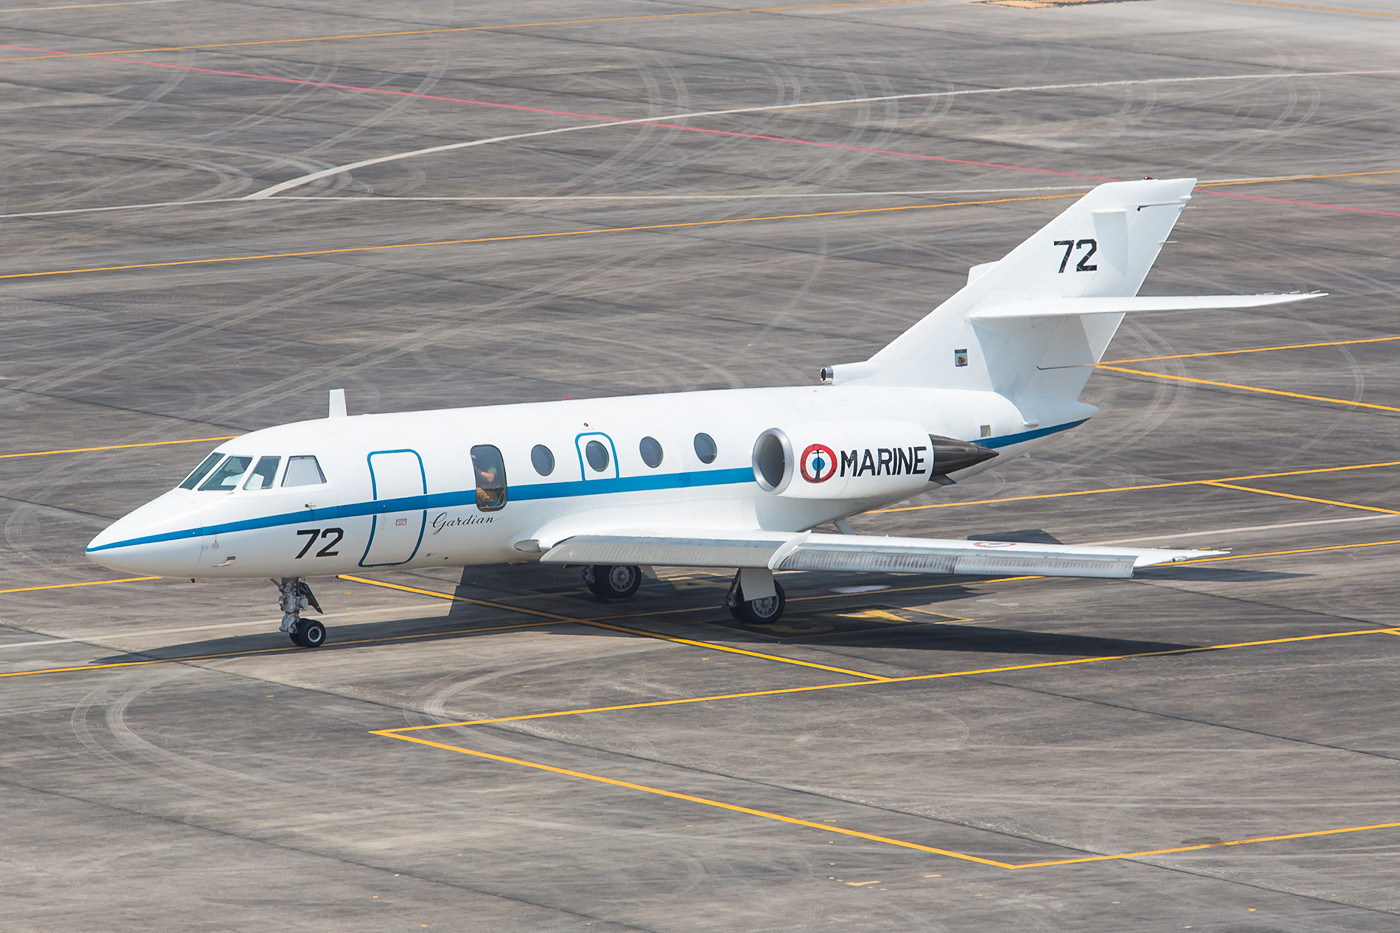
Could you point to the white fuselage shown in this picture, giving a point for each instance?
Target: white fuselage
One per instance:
(401, 490)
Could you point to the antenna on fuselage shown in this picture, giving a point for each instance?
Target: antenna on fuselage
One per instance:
(337, 409)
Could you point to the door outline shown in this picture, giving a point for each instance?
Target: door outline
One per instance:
(374, 519)
(581, 441)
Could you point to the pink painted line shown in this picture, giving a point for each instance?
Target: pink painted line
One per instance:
(565, 113)
(1334, 207)
(694, 129)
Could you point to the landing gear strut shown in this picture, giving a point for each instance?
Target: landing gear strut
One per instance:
(763, 609)
(296, 596)
(612, 582)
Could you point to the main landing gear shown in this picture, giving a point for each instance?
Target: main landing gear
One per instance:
(295, 596)
(754, 598)
(612, 582)
(767, 604)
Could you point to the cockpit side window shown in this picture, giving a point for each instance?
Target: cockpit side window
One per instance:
(227, 475)
(490, 477)
(201, 471)
(303, 471)
(263, 474)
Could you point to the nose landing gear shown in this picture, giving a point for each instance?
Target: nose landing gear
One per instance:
(295, 596)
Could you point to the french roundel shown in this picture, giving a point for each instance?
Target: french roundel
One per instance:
(818, 463)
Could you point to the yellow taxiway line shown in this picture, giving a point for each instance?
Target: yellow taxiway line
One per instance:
(675, 225)
(1143, 486)
(1289, 495)
(692, 798)
(1323, 9)
(1290, 346)
(85, 450)
(64, 586)
(454, 29)
(1233, 385)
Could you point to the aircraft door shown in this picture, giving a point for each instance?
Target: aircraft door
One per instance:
(395, 532)
(597, 457)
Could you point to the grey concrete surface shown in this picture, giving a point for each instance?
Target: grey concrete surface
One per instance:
(168, 762)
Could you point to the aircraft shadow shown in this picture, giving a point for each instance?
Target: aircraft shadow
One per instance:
(847, 610)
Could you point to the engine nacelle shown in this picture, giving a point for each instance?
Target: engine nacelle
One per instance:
(844, 460)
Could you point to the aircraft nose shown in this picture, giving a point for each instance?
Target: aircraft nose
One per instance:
(161, 538)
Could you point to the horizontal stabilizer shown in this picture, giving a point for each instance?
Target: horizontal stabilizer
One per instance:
(860, 553)
(1067, 307)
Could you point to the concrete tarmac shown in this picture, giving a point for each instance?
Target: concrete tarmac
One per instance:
(212, 213)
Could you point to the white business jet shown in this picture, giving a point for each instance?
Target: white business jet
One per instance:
(734, 479)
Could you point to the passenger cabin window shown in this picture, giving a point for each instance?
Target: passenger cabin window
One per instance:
(705, 448)
(201, 471)
(227, 475)
(597, 454)
(543, 459)
(263, 473)
(490, 477)
(303, 471)
(650, 450)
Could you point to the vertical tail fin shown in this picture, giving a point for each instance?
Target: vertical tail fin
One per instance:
(1022, 325)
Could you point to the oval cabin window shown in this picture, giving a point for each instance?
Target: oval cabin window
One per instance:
(705, 448)
(543, 459)
(650, 450)
(597, 454)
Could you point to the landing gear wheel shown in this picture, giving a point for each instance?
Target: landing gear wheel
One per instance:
(618, 581)
(309, 633)
(763, 611)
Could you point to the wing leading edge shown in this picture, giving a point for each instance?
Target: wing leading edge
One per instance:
(861, 553)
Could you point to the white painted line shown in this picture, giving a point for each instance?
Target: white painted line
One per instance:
(268, 625)
(926, 95)
(1241, 530)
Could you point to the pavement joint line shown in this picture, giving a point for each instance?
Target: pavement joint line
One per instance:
(1289, 495)
(1167, 485)
(301, 254)
(1235, 385)
(84, 450)
(1293, 346)
(844, 831)
(455, 29)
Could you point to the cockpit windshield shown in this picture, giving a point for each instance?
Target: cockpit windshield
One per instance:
(227, 475)
(201, 471)
(263, 474)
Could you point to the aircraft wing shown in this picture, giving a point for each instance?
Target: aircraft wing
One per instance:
(811, 551)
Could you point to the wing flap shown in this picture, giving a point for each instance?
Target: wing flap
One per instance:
(679, 550)
(859, 553)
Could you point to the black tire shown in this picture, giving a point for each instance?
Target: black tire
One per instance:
(617, 581)
(761, 611)
(310, 633)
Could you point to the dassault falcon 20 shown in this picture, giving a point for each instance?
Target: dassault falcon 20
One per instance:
(734, 479)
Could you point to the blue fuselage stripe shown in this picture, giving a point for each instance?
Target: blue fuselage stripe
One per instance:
(517, 493)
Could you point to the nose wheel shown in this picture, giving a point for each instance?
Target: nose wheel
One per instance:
(294, 596)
